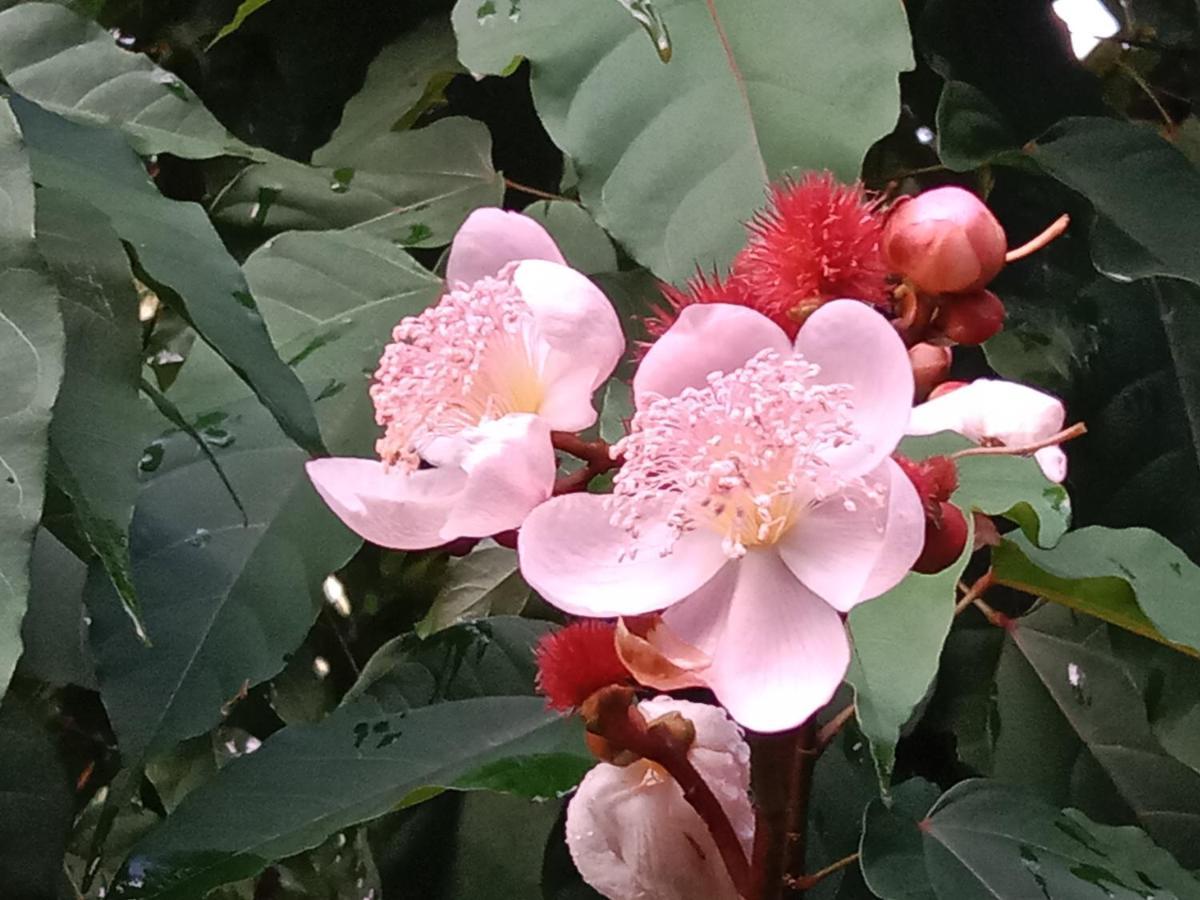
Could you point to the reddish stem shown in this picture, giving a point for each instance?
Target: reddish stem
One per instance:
(1053, 230)
(596, 455)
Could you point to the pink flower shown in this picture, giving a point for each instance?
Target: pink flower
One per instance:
(757, 501)
(472, 388)
(634, 836)
(988, 411)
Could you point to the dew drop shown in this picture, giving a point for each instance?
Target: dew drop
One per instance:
(647, 15)
(341, 180)
(152, 457)
(1078, 681)
(217, 437)
(266, 199)
(486, 10)
(200, 537)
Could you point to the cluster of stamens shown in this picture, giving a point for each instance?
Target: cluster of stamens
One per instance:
(458, 363)
(747, 454)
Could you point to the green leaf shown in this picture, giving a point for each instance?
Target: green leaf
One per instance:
(31, 351)
(37, 806)
(492, 859)
(245, 9)
(971, 131)
(583, 242)
(369, 763)
(178, 248)
(69, 65)
(982, 841)
(405, 79)
(224, 599)
(412, 187)
(1137, 180)
(100, 426)
(615, 410)
(488, 658)
(330, 300)
(896, 640)
(1100, 571)
(485, 582)
(1095, 694)
(1009, 486)
(756, 78)
(54, 632)
(893, 858)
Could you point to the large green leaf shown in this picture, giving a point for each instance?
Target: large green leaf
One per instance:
(983, 841)
(308, 781)
(1103, 706)
(411, 187)
(485, 582)
(224, 599)
(1102, 571)
(100, 426)
(31, 350)
(1137, 180)
(66, 63)
(54, 631)
(673, 158)
(177, 247)
(402, 80)
(897, 640)
(36, 807)
(489, 658)
(331, 300)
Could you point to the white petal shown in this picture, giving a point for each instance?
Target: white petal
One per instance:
(990, 409)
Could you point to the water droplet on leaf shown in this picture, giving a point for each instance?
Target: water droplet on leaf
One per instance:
(152, 457)
(201, 537)
(341, 180)
(652, 22)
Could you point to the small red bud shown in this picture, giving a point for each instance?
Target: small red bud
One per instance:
(578, 660)
(971, 319)
(945, 537)
(930, 365)
(944, 241)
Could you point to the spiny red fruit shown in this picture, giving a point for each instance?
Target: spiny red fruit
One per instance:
(576, 661)
(930, 364)
(816, 240)
(944, 241)
(935, 479)
(972, 318)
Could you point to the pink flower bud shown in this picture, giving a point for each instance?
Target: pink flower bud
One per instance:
(970, 319)
(944, 241)
(930, 365)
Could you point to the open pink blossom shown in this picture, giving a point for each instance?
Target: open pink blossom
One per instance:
(632, 834)
(757, 502)
(469, 391)
(991, 412)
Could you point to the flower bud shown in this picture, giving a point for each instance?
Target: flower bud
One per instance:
(971, 319)
(945, 537)
(930, 365)
(944, 241)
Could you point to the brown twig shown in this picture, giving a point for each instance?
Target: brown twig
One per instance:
(1067, 434)
(596, 455)
(612, 714)
(1053, 230)
(536, 192)
(782, 780)
(804, 882)
(975, 591)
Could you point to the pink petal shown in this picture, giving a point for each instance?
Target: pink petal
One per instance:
(1053, 462)
(846, 555)
(988, 408)
(782, 651)
(490, 239)
(573, 317)
(567, 397)
(706, 338)
(510, 469)
(572, 555)
(404, 511)
(855, 345)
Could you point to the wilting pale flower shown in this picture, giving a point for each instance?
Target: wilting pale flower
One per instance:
(993, 412)
(632, 834)
(756, 503)
(470, 389)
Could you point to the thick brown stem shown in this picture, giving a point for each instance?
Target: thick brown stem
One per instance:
(782, 771)
(596, 455)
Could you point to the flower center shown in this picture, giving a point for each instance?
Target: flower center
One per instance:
(463, 361)
(745, 455)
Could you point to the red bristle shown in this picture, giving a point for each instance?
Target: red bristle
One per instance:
(576, 661)
(701, 288)
(935, 479)
(817, 240)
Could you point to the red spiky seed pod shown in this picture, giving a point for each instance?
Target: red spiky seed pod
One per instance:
(576, 661)
(701, 288)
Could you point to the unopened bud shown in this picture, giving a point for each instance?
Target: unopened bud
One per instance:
(971, 319)
(930, 365)
(944, 241)
(945, 537)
